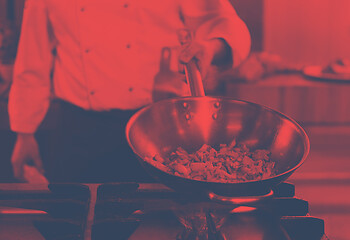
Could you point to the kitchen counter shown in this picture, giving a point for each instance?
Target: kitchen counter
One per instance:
(306, 100)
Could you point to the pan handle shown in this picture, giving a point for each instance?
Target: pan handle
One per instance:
(240, 201)
(192, 73)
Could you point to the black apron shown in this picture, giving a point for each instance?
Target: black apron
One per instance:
(91, 147)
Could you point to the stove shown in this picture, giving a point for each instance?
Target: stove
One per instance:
(147, 211)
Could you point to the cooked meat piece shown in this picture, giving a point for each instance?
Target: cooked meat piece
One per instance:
(229, 163)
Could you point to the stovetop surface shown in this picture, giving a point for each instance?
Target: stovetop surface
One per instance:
(140, 211)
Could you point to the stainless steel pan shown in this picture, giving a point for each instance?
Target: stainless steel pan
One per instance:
(190, 122)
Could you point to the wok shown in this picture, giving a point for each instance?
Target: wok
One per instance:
(190, 122)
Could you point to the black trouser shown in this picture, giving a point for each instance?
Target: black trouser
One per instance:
(91, 147)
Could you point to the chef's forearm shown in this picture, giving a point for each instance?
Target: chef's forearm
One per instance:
(219, 20)
(29, 97)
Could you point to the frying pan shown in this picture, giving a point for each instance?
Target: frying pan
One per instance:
(190, 122)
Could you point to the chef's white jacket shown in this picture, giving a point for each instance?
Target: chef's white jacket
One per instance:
(104, 54)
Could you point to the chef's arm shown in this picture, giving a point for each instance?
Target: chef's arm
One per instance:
(217, 23)
(29, 96)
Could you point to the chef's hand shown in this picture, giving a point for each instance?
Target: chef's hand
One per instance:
(26, 151)
(210, 56)
(206, 53)
(168, 83)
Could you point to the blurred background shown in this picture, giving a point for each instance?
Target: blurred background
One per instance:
(288, 38)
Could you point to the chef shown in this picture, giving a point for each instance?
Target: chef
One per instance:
(102, 61)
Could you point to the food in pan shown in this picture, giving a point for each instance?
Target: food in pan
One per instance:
(225, 164)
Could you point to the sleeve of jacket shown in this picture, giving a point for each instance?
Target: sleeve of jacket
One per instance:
(29, 96)
(210, 19)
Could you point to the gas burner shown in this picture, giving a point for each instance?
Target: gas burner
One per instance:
(158, 212)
